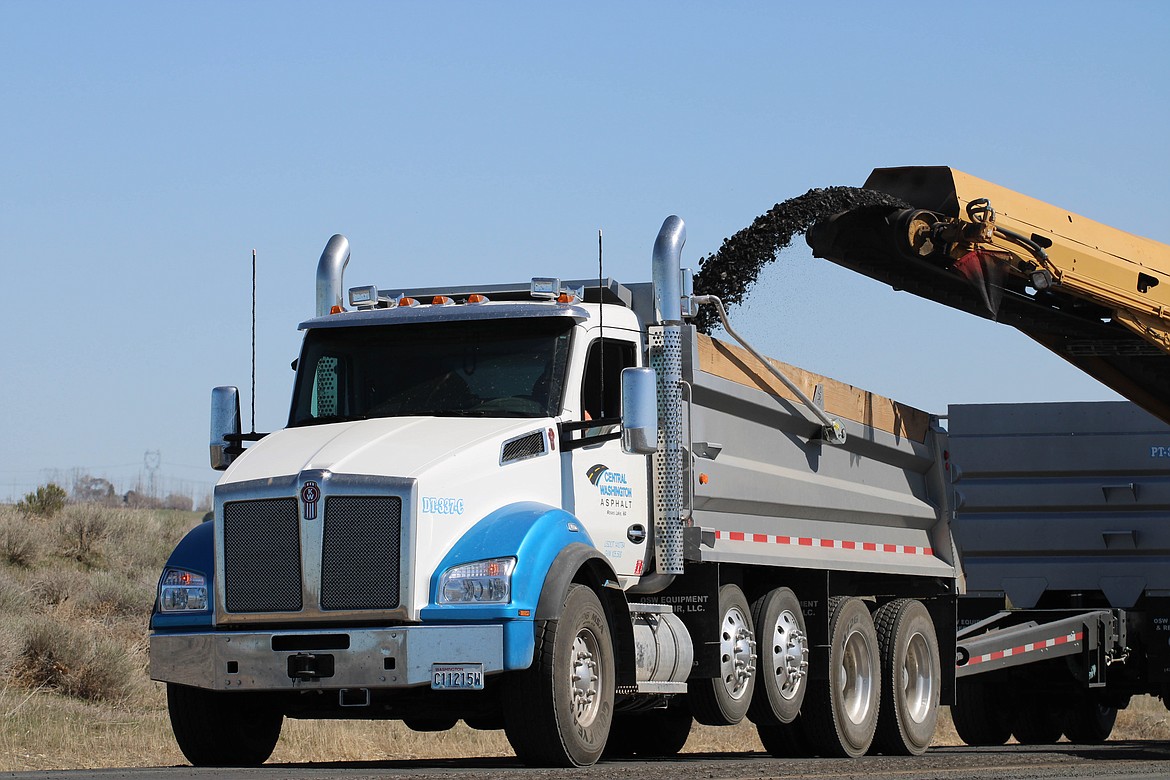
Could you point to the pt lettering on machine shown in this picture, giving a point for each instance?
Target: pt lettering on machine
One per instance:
(433, 505)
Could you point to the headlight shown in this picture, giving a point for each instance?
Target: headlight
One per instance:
(182, 591)
(481, 582)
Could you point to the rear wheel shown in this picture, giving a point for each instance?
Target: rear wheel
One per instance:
(658, 733)
(215, 728)
(782, 665)
(980, 713)
(840, 714)
(911, 678)
(558, 711)
(785, 740)
(724, 700)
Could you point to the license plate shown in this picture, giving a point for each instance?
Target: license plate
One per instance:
(457, 677)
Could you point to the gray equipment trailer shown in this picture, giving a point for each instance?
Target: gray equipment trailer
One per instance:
(1060, 519)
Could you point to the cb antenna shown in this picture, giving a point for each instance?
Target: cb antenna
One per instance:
(601, 324)
(253, 341)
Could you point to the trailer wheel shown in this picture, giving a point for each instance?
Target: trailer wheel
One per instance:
(658, 733)
(1037, 721)
(215, 728)
(980, 713)
(840, 713)
(911, 678)
(1089, 721)
(558, 711)
(782, 644)
(724, 700)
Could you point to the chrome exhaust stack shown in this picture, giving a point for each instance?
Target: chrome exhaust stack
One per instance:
(666, 359)
(331, 274)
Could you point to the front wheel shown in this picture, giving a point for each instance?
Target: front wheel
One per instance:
(558, 712)
(215, 728)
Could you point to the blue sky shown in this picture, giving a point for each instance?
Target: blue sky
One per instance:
(149, 147)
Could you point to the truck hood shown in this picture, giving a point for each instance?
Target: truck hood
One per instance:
(393, 446)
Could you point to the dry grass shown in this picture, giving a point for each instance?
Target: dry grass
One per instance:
(75, 593)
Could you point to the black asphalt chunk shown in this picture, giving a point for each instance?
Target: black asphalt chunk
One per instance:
(731, 272)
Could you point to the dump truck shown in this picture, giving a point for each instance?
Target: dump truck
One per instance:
(554, 508)
(1060, 518)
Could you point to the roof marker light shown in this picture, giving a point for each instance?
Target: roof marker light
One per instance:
(363, 297)
(544, 287)
(477, 298)
(407, 301)
(337, 309)
(442, 300)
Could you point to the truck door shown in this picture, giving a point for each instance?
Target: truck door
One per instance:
(606, 488)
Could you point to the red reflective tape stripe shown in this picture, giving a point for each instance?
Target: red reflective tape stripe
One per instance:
(810, 541)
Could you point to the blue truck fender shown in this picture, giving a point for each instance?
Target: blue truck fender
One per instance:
(584, 565)
(195, 552)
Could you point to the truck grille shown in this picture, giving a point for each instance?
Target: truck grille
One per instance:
(262, 556)
(360, 552)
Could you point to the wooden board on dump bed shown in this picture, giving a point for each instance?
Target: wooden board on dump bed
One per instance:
(841, 400)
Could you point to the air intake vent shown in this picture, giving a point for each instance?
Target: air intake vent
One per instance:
(523, 447)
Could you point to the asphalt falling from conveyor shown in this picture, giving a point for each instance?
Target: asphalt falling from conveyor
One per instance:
(730, 272)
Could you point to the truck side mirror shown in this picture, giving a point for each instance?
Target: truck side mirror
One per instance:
(225, 422)
(639, 411)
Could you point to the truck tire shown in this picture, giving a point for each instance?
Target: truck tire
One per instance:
(1088, 720)
(840, 714)
(557, 713)
(724, 700)
(981, 713)
(782, 663)
(785, 740)
(215, 728)
(1037, 721)
(911, 678)
(660, 733)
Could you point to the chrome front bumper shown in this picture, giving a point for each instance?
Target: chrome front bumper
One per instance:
(321, 659)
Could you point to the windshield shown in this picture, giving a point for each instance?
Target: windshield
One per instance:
(482, 368)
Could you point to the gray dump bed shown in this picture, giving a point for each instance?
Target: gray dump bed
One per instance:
(1069, 497)
(776, 495)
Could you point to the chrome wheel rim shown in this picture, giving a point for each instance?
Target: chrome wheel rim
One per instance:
(856, 677)
(737, 653)
(918, 679)
(789, 655)
(586, 674)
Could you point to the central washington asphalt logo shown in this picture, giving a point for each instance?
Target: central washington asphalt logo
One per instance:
(595, 472)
